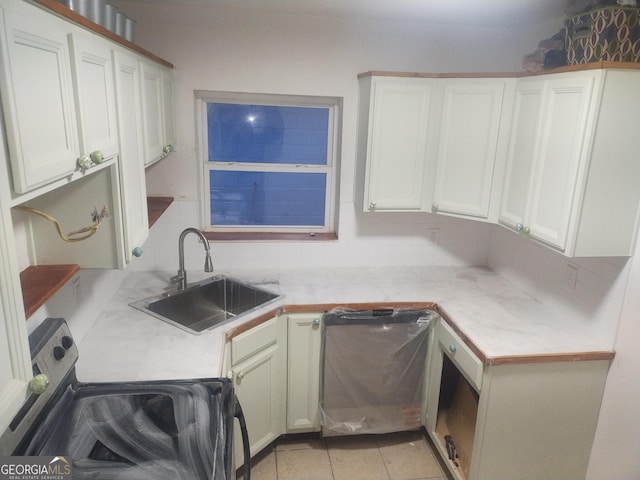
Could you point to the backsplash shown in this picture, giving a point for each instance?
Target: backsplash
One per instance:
(365, 239)
(590, 290)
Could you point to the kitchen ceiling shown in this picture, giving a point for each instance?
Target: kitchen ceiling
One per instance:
(478, 12)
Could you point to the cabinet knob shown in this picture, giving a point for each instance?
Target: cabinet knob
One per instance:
(168, 148)
(372, 206)
(39, 383)
(96, 157)
(315, 323)
(84, 163)
(519, 227)
(434, 207)
(526, 230)
(240, 376)
(137, 252)
(452, 348)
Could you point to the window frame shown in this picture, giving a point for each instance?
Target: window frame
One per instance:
(333, 104)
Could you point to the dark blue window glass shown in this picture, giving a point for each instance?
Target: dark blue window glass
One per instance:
(267, 134)
(267, 198)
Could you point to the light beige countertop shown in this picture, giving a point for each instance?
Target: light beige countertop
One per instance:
(498, 320)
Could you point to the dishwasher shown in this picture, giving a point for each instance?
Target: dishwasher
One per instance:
(373, 368)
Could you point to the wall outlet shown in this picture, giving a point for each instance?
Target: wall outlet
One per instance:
(571, 278)
(434, 234)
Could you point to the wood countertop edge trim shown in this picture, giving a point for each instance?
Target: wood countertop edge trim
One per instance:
(528, 358)
(320, 307)
(567, 68)
(487, 361)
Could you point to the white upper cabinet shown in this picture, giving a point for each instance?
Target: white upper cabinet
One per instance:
(37, 98)
(392, 143)
(132, 179)
(95, 94)
(545, 155)
(572, 153)
(157, 112)
(471, 121)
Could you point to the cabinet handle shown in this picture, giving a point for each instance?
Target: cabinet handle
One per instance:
(372, 206)
(452, 348)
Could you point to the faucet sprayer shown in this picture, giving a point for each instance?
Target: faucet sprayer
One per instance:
(181, 277)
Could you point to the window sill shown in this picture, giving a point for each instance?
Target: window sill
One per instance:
(275, 236)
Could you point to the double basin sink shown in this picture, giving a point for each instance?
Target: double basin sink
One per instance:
(206, 304)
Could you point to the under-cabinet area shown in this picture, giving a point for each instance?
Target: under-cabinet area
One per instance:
(487, 417)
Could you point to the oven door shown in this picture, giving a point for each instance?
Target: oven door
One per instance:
(156, 430)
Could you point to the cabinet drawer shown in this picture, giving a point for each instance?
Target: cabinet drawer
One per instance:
(254, 340)
(470, 366)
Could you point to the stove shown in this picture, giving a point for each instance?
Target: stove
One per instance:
(177, 429)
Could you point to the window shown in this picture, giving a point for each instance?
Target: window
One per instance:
(268, 162)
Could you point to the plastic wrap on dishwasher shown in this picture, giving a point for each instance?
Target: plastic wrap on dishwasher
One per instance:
(373, 370)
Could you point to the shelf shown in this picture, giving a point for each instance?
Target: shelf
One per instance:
(40, 282)
(78, 19)
(156, 207)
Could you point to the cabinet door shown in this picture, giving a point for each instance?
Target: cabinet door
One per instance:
(132, 177)
(397, 146)
(521, 154)
(258, 368)
(558, 157)
(467, 146)
(303, 388)
(95, 94)
(15, 361)
(37, 99)
(168, 111)
(152, 112)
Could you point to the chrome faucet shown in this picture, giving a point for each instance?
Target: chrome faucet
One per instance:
(181, 277)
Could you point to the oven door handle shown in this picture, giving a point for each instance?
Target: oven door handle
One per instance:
(245, 439)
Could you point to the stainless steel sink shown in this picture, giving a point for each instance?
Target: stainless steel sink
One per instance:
(206, 304)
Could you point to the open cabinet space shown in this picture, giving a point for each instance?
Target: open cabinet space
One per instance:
(74, 207)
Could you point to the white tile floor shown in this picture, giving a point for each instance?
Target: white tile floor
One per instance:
(394, 456)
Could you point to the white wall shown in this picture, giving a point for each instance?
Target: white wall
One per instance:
(217, 48)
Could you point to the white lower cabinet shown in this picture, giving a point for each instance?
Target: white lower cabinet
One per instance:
(256, 362)
(303, 379)
(516, 421)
